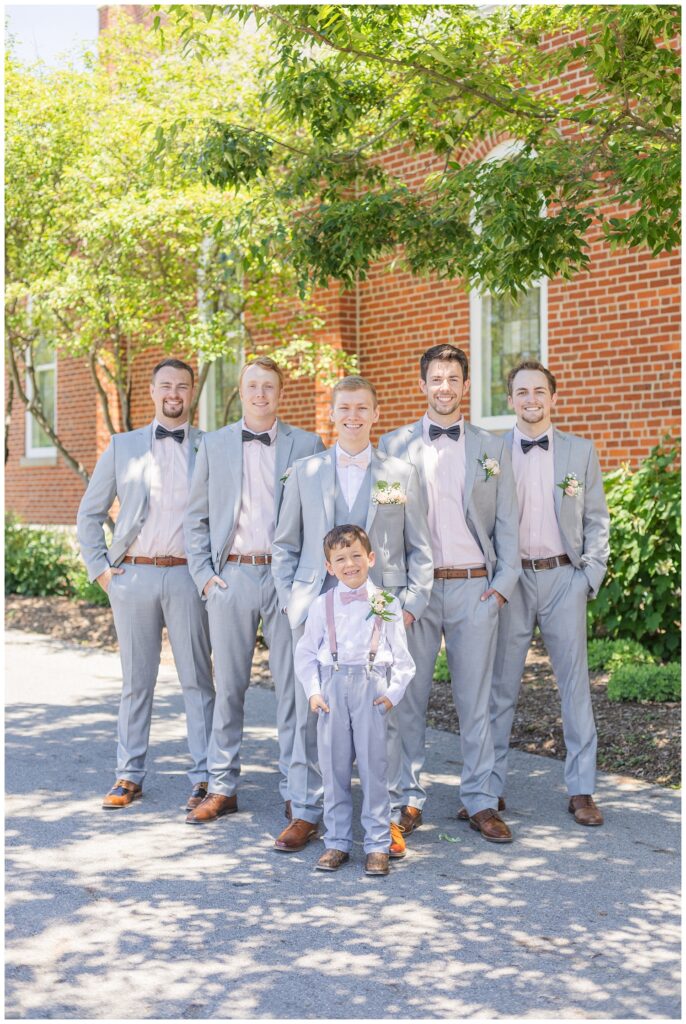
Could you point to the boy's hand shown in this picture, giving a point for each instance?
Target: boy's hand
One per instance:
(317, 703)
(385, 701)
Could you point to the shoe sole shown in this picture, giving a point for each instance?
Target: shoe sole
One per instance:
(294, 849)
(490, 839)
(204, 821)
(323, 867)
(397, 856)
(118, 807)
(376, 874)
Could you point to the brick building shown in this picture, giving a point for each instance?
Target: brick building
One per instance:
(611, 336)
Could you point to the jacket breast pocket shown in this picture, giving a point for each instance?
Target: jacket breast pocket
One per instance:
(394, 578)
(305, 575)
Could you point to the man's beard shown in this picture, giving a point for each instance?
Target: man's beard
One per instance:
(174, 414)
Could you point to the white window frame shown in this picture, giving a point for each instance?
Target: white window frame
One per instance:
(503, 422)
(47, 451)
(208, 389)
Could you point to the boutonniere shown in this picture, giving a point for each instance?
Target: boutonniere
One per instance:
(378, 605)
(388, 494)
(491, 467)
(571, 485)
(284, 478)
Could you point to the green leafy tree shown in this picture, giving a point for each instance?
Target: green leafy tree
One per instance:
(347, 83)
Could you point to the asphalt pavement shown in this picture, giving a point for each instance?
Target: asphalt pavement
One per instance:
(133, 914)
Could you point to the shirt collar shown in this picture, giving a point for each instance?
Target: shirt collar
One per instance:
(366, 453)
(518, 436)
(428, 423)
(182, 426)
(271, 432)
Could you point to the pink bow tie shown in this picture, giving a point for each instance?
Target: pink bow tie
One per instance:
(348, 596)
(360, 461)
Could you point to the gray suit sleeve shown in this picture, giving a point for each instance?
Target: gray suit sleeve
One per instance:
(288, 539)
(93, 509)
(196, 522)
(418, 554)
(596, 523)
(508, 564)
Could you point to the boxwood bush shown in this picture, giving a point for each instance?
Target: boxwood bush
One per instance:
(645, 682)
(609, 654)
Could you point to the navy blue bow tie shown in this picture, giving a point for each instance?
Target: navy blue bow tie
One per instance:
(248, 435)
(162, 432)
(452, 432)
(541, 443)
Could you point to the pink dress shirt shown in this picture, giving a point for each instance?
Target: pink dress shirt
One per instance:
(534, 473)
(350, 477)
(255, 529)
(162, 531)
(452, 542)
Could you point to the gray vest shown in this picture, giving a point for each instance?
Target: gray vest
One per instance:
(357, 514)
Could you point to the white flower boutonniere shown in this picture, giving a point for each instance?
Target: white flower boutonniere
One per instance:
(491, 467)
(571, 485)
(388, 494)
(286, 475)
(378, 605)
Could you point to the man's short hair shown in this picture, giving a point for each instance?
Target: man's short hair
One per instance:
(531, 364)
(446, 354)
(267, 363)
(174, 364)
(353, 383)
(344, 537)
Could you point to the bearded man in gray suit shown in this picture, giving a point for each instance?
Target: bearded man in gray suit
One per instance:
(350, 483)
(469, 494)
(233, 507)
(145, 575)
(564, 541)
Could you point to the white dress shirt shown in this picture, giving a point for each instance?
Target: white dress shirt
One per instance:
(534, 473)
(162, 531)
(255, 529)
(354, 637)
(350, 477)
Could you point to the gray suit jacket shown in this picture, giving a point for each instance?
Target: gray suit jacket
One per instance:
(584, 521)
(214, 503)
(399, 534)
(490, 504)
(122, 471)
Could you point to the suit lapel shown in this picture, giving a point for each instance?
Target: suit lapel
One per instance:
(561, 452)
(508, 438)
(472, 455)
(144, 445)
(284, 447)
(377, 473)
(234, 462)
(194, 438)
(415, 452)
(327, 483)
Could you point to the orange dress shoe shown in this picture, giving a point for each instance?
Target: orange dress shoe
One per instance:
(212, 807)
(491, 826)
(410, 819)
(396, 851)
(123, 792)
(376, 864)
(295, 836)
(332, 860)
(198, 794)
(585, 810)
(463, 813)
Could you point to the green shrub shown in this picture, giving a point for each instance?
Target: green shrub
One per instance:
(645, 682)
(38, 560)
(640, 597)
(610, 654)
(84, 590)
(441, 670)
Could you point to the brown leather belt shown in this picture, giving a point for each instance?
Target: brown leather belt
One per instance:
(250, 559)
(460, 574)
(538, 564)
(163, 561)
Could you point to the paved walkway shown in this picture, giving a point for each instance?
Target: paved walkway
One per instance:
(134, 914)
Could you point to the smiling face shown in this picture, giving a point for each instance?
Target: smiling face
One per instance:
(350, 565)
(444, 388)
(353, 413)
(532, 401)
(172, 393)
(260, 390)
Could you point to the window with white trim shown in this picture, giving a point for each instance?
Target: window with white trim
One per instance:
(219, 401)
(44, 362)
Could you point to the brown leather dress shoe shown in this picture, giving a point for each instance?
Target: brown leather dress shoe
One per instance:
(295, 836)
(376, 864)
(491, 826)
(585, 810)
(198, 794)
(212, 807)
(123, 792)
(396, 851)
(463, 813)
(332, 860)
(410, 819)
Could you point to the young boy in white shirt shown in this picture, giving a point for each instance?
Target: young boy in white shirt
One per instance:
(354, 665)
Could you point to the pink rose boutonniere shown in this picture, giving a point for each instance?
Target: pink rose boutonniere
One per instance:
(571, 485)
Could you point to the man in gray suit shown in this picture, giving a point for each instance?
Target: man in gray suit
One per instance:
(468, 491)
(350, 483)
(564, 541)
(145, 575)
(232, 511)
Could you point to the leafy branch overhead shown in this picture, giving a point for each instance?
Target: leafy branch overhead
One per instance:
(590, 93)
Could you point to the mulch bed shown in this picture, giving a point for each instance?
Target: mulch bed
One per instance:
(640, 739)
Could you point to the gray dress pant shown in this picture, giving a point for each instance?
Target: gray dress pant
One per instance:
(144, 599)
(556, 599)
(234, 615)
(354, 728)
(470, 627)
